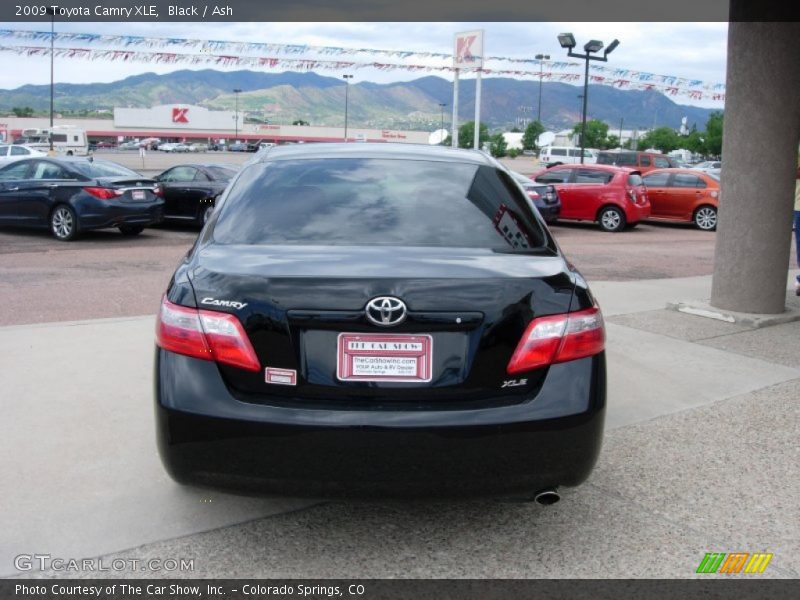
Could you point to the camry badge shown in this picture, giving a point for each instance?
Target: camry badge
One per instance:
(228, 303)
(386, 311)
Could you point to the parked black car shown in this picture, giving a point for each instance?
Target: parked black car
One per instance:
(379, 319)
(191, 190)
(71, 195)
(544, 197)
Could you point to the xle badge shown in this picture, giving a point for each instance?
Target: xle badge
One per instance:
(514, 383)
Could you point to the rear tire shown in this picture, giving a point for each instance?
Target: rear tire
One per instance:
(705, 218)
(130, 230)
(611, 219)
(63, 223)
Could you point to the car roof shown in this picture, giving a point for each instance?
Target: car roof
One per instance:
(686, 170)
(385, 150)
(594, 167)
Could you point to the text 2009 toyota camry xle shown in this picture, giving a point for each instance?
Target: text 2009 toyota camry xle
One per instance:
(379, 319)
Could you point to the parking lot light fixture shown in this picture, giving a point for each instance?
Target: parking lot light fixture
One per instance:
(593, 46)
(567, 40)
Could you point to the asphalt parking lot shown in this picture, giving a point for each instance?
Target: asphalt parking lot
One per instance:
(700, 454)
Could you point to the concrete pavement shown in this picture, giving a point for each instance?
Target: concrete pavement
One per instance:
(700, 456)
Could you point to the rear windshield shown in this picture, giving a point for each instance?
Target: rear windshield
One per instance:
(377, 202)
(616, 158)
(635, 179)
(221, 172)
(102, 169)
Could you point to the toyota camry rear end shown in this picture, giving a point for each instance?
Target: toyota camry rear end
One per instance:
(390, 320)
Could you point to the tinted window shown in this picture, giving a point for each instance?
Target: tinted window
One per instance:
(100, 168)
(377, 202)
(221, 172)
(17, 170)
(592, 176)
(644, 161)
(48, 170)
(617, 158)
(200, 176)
(179, 174)
(656, 180)
(687, 181)
(555, 176)
(19, 151)
(660, 162)
(59, 137)
(558, 152)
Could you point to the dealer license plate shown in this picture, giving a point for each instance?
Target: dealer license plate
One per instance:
(384, 357)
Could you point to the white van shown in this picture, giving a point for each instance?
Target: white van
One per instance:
(565, 155)
(67, 140)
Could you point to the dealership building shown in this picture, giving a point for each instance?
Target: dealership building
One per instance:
(183, 122)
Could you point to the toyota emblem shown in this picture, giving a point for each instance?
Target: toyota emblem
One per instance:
(386, 311)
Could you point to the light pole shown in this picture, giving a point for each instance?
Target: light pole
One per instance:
(236, 92)
(441, 107)
(541, 58)
(347, 79)
(51, 11)
(567, 40)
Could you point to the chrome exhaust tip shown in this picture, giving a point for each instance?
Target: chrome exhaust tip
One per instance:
(547, 497)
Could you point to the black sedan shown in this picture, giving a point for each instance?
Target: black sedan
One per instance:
(70, 195)
(190, 191)
(544, 197)
(379, 319)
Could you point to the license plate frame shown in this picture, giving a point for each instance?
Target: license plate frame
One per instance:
(361, 356)
(138, 195)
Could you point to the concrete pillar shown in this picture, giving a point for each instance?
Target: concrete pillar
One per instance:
(759, 157)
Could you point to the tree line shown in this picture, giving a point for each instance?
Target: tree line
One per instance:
(665, 139)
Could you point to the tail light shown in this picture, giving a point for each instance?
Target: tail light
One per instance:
(559, 338)
(632, 195)
(158, 191)
(533, 195)
(205, 334)
(102, 193)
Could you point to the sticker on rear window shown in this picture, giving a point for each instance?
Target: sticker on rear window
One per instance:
(280, 376)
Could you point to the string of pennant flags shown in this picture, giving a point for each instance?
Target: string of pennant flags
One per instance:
(262, 62)
(248, 49)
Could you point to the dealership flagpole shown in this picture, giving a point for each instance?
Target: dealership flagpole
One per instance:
(454, 126)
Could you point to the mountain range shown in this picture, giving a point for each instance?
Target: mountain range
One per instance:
(319, 100)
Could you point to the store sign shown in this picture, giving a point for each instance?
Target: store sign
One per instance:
(179, 115)
(468, 50)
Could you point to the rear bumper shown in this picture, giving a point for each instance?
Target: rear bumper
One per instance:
(207, 437)
(637, 212)
(113, 214)
(549, 212)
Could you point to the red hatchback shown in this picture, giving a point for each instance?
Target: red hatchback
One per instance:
(614, 197)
